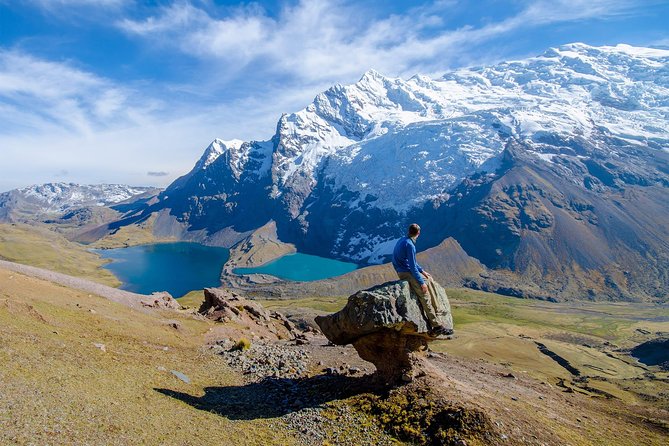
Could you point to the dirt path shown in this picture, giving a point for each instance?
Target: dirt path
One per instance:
(127, 298)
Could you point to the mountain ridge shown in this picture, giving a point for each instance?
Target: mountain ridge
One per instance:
(544, 152)
(59, 197)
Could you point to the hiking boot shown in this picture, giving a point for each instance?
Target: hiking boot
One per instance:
(440, 330)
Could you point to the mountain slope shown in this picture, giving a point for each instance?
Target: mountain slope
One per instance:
(547, 166)
(68, 201)
(164, 377)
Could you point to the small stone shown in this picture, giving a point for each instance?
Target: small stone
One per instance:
(514, 398)
(181, 376)
(92, 311)
(100, 346)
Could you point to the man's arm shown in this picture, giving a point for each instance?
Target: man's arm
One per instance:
(413, 265)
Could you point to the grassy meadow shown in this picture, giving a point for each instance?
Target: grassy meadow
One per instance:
(40, 247)
(79, 369)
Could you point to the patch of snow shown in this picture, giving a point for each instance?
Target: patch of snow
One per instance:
(58, 197)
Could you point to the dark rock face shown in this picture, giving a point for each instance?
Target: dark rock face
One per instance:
(218, 197)
(557, 236)
(386, 326)
(653, 352)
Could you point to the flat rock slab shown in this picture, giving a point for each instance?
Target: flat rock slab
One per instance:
(391, 305)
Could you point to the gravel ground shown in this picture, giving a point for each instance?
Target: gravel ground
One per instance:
(312, 407)
(263, 360)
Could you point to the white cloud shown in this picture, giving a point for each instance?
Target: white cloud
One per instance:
(316, 40)
(58, 96)
(175, 16)
(55, 117)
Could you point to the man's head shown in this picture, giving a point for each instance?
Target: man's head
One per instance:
(414, 230)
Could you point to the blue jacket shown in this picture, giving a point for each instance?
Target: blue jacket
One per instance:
(404, 259)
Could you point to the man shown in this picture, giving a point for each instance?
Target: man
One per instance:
(404, 262)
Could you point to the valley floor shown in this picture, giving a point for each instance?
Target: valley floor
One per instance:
(77, 368)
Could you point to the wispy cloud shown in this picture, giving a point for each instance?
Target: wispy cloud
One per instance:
(325, 39)
(53, 96)
(661, 42)
(57, 117)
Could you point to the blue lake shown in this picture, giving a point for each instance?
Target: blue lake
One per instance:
(173, 267)
(301, 267)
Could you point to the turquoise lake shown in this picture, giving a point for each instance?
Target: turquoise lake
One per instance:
(173, 267)
(181, 267)
(301, 268)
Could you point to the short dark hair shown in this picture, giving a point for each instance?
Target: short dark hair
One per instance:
(414, 229)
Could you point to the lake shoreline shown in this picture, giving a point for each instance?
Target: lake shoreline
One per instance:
(174, 267)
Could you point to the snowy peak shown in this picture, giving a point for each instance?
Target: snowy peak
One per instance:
(386, 137)
(641, 54)
(215, 150)
(59, 197)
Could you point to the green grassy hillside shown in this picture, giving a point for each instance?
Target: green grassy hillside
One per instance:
(61, 387)
(40, 247)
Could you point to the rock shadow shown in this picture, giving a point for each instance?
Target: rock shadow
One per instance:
(275, 397)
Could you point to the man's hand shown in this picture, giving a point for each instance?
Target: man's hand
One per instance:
(423, 287)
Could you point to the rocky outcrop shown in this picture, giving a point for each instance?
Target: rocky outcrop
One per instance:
(223, 305)
(387, 327)
(161, 299)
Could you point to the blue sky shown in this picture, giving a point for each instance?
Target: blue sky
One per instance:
(132, 92)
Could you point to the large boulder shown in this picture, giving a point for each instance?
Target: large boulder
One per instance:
(386, 326)
(221, 303)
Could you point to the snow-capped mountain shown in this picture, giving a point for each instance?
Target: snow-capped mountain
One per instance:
(57, 198)
(343, 176)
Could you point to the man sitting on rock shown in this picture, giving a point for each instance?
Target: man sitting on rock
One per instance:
(407, 268)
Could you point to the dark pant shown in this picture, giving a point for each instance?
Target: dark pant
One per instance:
(427, 300)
